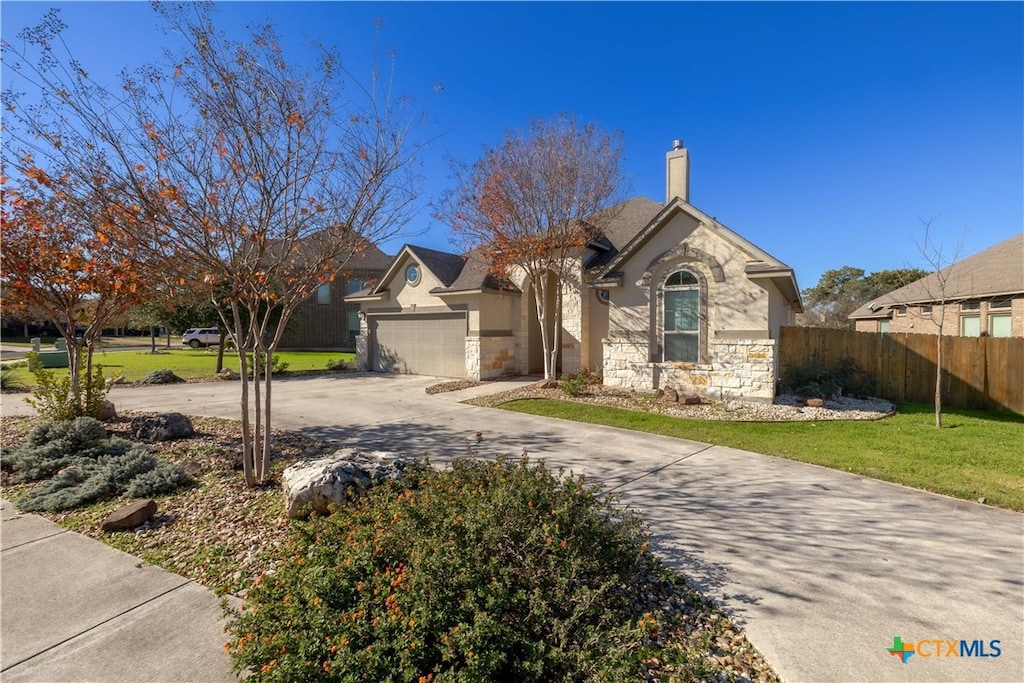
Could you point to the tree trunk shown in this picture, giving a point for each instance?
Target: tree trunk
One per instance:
(267, 436)
(220, 350)
(152, 340)
(243, 372)
(938, 381)
(540, 298)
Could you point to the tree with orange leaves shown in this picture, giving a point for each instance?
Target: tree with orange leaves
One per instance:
(253, 180)
(57, 260)
(533, 203)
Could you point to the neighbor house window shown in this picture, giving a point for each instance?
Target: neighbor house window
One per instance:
(323, 294)
(901, 310)
(1002, 303)
(926, 309)
(970, 306)
(681, 321)
(883, 325)
(970, 326)
(353, 286)
(353, 323)
(999, 325)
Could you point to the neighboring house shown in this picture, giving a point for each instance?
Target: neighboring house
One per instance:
(666, 297)
(983, 295)
(325, 320)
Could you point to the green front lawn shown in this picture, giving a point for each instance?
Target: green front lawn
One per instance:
(976, 454)
(191, 363)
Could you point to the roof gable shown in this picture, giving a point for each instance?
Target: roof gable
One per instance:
(456, 273)
(666, 214)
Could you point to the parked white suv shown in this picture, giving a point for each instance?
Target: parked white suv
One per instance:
(201, 336)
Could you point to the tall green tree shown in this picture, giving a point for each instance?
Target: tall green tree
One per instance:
(841, 291)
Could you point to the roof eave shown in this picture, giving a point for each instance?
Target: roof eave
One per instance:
(783, 279)
(382, 295)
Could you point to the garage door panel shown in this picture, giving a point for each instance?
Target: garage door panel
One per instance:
(429, 344)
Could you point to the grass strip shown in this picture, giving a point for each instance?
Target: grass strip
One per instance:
(189, 363)
(976, 454)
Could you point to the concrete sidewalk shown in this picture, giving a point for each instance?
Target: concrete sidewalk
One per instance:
(75, 609)
(823, 569)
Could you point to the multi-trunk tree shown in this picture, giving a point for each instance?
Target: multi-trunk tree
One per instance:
(532, 203)
(252, 180)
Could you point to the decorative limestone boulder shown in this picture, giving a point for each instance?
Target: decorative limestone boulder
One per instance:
(166, 427)
(227, 374)
(313, 485)
(108, 412)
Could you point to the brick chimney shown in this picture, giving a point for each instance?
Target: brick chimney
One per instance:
(677, 173)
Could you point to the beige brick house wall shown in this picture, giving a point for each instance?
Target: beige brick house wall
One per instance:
(918, 320)
(317, 325)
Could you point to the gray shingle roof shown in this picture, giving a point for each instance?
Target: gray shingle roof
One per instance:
(996, 271)
(447, 267)
(370, 258)
(627, 219)
(476, 275)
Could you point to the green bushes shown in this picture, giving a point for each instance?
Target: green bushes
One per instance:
(813, 380)
(8, 380)
(82, 464)
(576, 384)
(54, 397)
(277, 364)
(338, 365)
(487, 571)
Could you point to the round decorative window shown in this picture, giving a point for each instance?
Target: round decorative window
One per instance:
(604, 296)
(412, 274)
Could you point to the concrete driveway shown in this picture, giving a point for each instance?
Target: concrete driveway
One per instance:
(823, 569)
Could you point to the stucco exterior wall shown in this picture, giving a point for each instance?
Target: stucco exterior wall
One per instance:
(496, 311)
(597, 316)
(780, 314)
(732, 305)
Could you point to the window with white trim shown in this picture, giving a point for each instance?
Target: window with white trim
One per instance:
(970, 326)
(1000, 325)
(680, 326)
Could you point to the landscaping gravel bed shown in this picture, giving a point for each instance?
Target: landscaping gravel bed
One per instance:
(223, 535)
(786, 408)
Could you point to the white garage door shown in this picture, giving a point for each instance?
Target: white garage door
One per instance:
(426, 344)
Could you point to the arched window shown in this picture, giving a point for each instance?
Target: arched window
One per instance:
(680, 327)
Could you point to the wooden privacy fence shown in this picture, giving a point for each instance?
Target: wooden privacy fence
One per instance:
(978, 372)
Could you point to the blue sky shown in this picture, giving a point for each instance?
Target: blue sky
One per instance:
(822, 132)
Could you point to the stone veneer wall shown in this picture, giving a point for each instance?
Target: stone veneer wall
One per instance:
(490, 357)
(362, 347)
(739, 368)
